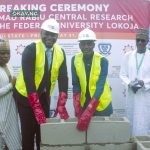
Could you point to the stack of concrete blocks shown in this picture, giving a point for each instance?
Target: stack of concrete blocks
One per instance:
(104, 133)
(142, 142)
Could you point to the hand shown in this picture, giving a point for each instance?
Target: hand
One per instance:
(85, 118)
(61, 109)
(13, 81)
(36, 107)
(141, 82)
(135, 86)
(77, 105)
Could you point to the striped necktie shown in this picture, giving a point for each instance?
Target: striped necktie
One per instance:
(49, 57)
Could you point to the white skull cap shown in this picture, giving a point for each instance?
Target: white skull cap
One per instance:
(4, 45)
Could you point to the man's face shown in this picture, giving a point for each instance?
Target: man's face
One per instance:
(48, 38)
(87, 47)
(4, 57)
(141, 42)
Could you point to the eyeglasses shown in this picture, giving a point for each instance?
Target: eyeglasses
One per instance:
(141, 40)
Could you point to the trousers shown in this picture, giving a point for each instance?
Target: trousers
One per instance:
(30, 129)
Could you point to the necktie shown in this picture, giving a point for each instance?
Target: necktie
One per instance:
(49, 57)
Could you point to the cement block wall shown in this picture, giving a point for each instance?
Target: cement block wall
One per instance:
(104, 133)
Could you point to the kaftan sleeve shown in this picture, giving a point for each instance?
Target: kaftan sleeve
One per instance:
(124, 74)
(4, 90)
(146, 71)
(5, 85)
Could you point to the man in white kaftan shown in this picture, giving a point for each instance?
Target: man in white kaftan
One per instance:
(9, 127)
(135, 75)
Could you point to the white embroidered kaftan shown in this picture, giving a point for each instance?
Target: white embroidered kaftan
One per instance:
(137, 104)
(9, 127)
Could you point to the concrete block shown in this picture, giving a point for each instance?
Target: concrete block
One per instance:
(58, 132)
(63, 147)
(109, 130)
(124, 146)
(143, 145)
(142, 142)
(141, 138)
(78, 147)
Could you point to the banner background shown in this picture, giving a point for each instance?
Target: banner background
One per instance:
(114, 22)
